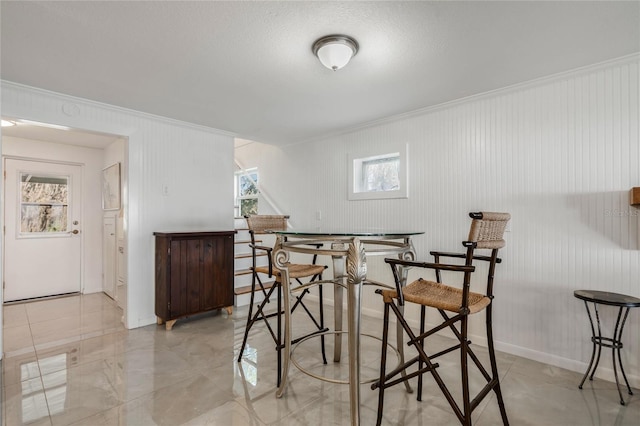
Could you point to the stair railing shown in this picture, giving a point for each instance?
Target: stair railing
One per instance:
(262, 192)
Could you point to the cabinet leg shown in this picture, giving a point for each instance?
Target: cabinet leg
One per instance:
(169, 325)
(160, 321)
(229, 310)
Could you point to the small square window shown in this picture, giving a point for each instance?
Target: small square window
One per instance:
(378, 176)
(378, 173)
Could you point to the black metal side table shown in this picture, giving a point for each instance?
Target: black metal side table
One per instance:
(622, 301)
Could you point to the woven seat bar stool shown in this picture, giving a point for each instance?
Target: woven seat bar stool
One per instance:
(455, 304)
(261, 225)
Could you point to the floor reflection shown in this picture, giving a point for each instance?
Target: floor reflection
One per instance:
(249, 366)
(94, 372)
(34, 403)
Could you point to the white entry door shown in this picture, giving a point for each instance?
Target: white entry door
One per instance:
(42, 229)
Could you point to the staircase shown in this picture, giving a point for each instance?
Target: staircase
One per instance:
(242, 264)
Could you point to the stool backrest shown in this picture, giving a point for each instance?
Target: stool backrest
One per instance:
(487, 229)
(261, 223)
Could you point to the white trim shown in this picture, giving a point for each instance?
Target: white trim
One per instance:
(5, 84)
(623, 60)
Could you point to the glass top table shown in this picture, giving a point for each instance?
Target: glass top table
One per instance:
(348, 250)
(342, 232)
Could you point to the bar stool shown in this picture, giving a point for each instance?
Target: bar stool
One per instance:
(455, 304)
(262, 225)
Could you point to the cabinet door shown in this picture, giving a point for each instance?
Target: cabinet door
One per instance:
(217, 283)
(186, 276)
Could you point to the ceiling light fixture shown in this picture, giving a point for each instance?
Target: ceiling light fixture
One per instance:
(335, 51)
(7, 123)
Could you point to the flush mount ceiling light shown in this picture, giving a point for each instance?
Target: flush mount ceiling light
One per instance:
(335, 51)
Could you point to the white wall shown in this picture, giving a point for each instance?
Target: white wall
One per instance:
(116, 153)
(559, 154)
(195, 163)
(91, 224)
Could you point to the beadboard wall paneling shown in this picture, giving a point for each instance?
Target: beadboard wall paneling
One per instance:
(193, 163)
(560, 155)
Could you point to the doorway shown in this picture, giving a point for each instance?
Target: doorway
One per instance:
(43, 243)
(92, 152)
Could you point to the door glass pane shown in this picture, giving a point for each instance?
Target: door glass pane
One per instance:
(44, 201)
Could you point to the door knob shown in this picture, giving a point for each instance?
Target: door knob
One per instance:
(75, 231)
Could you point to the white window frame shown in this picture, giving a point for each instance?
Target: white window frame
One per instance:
(356, 191)
(236, 187)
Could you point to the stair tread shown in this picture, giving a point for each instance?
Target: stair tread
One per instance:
(248, 255)
(247, 288)
(238, 242)
(246, 241)
(241, 254)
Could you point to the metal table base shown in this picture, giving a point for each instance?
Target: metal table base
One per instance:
(624, 303)
(349, 263)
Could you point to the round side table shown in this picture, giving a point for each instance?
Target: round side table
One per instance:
(624, 303)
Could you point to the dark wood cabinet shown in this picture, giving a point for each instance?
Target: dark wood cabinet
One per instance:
(194, 273)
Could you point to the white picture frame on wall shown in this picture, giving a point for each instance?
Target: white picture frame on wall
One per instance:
(111, 187)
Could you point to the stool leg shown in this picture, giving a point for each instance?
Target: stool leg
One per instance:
(249, 318)
(466, 404)
(404, 274)
(494, 366)
(383, 363)
(420, 362)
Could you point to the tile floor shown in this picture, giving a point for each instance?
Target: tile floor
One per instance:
(69, 361)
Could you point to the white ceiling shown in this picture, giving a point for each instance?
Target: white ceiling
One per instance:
(247, 67)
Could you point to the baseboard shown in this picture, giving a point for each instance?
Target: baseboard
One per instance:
(604, 372)
(142, 322)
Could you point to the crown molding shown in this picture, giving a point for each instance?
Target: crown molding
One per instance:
(69, 99)
(576, 72)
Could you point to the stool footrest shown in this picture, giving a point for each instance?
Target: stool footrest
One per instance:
(386, 384)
